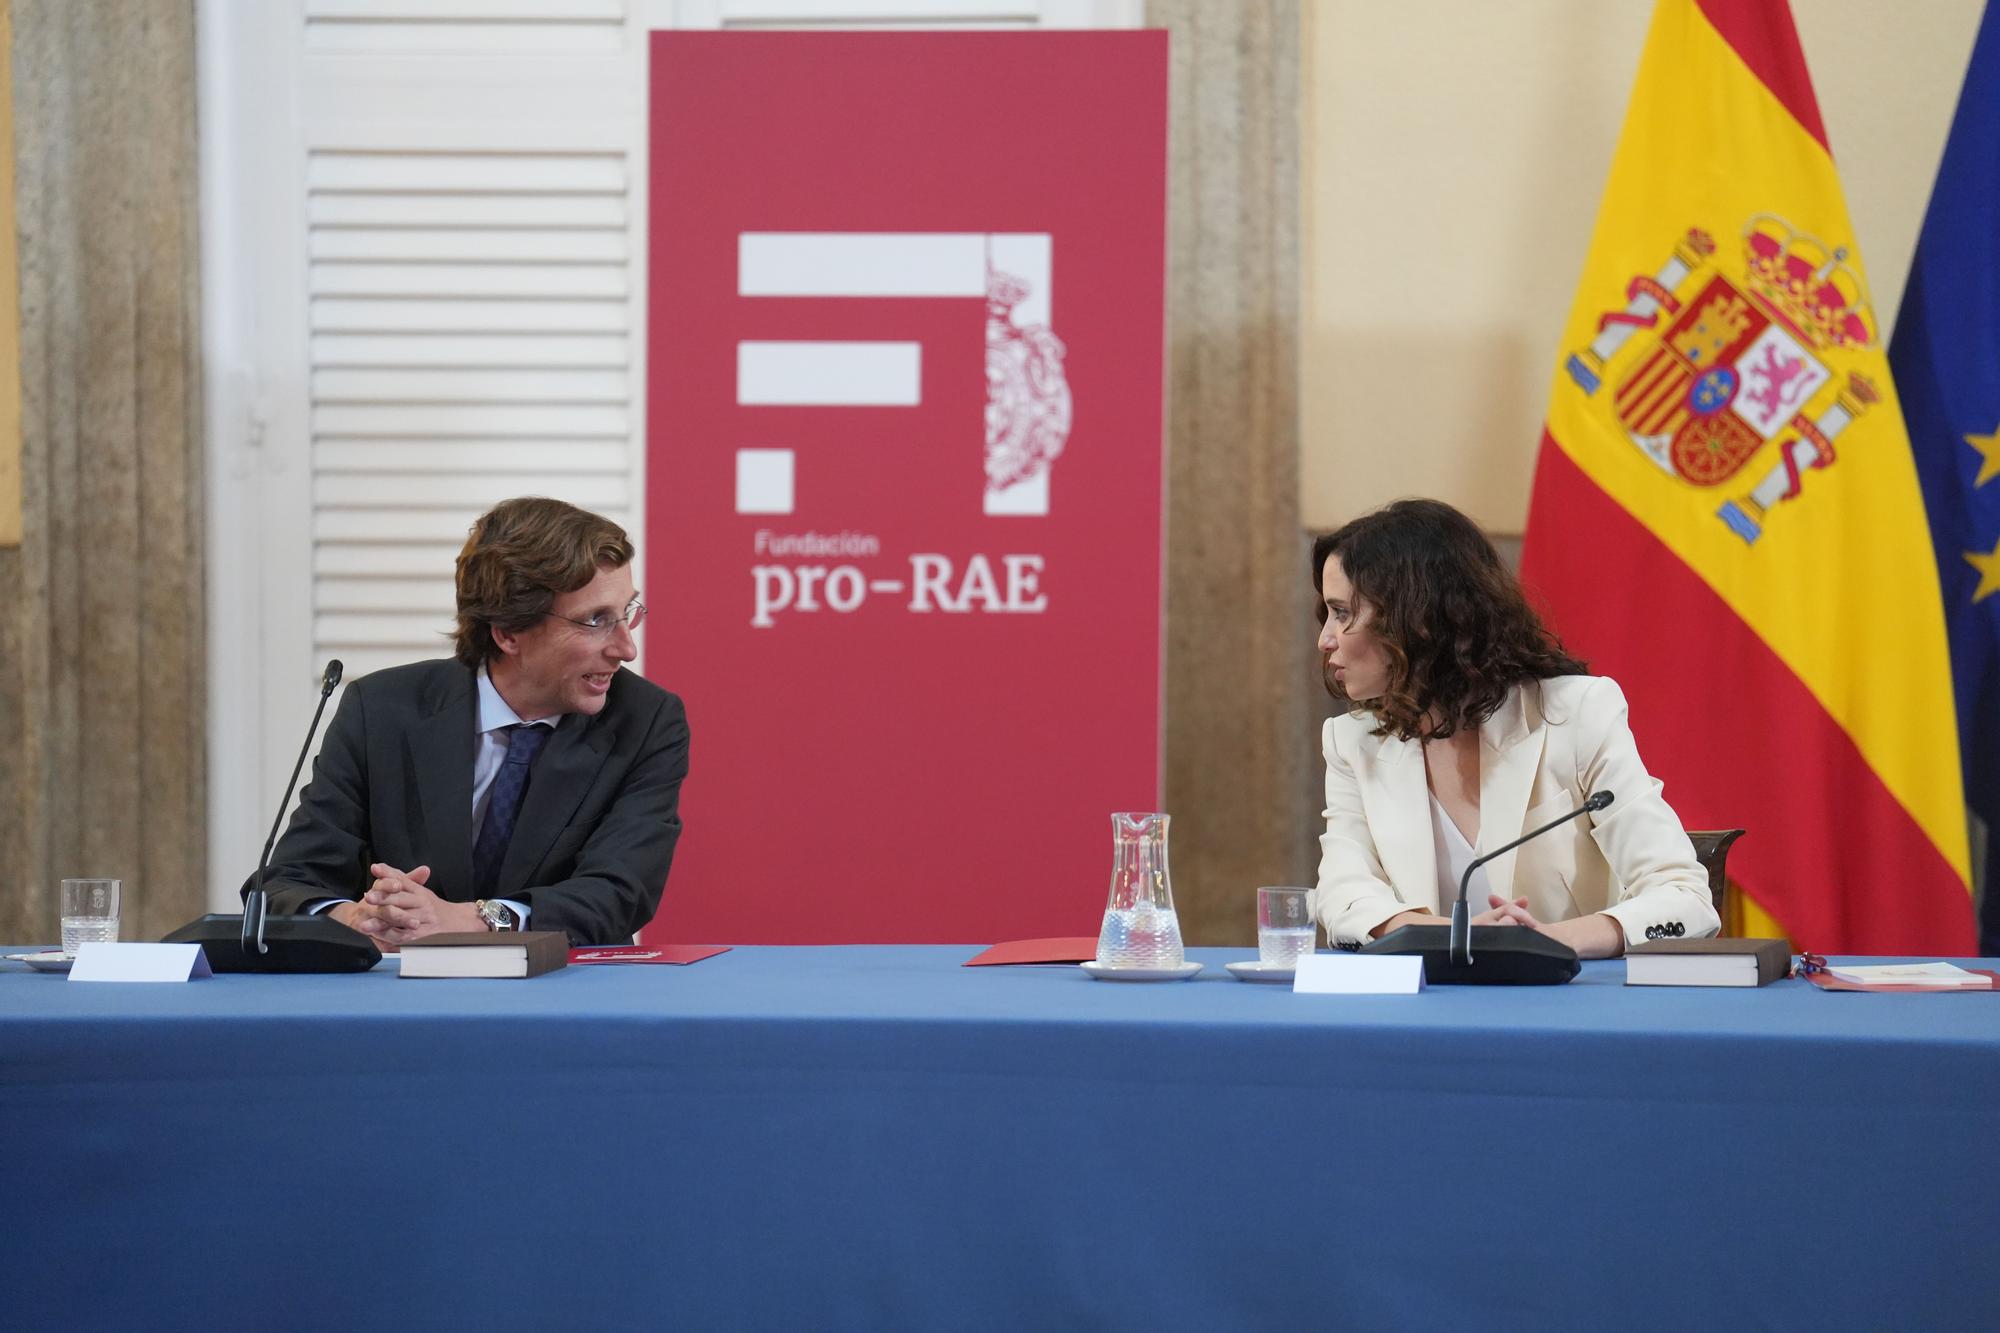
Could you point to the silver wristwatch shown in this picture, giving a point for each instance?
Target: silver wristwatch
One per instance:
(497, 916)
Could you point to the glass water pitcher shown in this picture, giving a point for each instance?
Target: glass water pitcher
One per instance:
(1140, 928)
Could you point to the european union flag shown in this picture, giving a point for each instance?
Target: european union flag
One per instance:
(1946, 359)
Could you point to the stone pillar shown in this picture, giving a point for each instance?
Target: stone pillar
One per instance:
(102, 638)
(1240, 731)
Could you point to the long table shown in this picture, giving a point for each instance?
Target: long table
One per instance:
(877, 1138)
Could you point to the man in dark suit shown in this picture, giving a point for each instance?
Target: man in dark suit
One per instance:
(529, 783)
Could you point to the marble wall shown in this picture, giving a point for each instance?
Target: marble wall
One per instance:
(1241, 696)
(102, 686)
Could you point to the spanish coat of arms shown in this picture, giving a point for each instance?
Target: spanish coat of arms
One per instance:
(1737, 361)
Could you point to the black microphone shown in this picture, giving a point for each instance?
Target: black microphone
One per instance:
(253, 901)
(257, 942)
(1461, 915)
(1508, 955)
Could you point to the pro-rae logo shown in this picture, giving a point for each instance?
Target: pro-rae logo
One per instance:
(1027, 396)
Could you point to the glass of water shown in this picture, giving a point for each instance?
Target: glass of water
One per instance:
(1284, 926)
(89, 912)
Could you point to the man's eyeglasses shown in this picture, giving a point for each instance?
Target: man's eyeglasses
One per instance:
(604, 624)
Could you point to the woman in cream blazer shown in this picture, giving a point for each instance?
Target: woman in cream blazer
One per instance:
(1469, 725)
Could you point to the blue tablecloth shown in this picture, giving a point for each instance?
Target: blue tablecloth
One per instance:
(877, 1138)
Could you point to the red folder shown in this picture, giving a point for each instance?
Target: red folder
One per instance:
(1057, 949)
(647, 953)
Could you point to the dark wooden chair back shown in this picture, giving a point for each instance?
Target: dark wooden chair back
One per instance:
(1711, 848)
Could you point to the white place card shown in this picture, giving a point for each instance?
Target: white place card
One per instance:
(1910, 974)
(1359, 974)
(139, 962)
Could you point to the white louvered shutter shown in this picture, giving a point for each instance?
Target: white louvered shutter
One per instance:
(472, 332)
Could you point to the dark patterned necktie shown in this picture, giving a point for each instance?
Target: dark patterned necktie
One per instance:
(503, 806)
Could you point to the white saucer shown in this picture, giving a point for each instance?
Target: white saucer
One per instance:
(1102, 973)
(49, 960)
(1253, 970)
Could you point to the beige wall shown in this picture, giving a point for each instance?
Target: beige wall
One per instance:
(1453, 154)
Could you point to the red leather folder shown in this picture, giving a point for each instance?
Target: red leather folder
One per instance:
(1056, 949)
(647, 953)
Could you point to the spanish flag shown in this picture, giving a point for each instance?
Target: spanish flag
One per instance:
(1726, 514)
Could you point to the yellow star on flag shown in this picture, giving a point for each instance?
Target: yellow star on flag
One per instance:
(1989, 450)
(1989, 572)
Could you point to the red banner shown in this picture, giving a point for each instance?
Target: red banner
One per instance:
(904, 474)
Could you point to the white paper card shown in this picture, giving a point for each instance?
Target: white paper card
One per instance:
(1359, 974)
(1909, 974)
(139, 962)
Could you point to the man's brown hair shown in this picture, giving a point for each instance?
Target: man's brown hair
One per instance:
(521, 556)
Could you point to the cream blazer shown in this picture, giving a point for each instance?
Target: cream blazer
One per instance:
(1550, 745)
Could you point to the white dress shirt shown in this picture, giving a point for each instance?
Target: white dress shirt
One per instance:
(489, 752)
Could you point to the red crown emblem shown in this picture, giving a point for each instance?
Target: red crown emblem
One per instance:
(1810, 288)
(1004, 291)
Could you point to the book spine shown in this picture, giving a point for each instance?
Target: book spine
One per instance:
(547, 953)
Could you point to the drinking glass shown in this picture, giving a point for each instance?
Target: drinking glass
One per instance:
(1284, 926)
(89, 912)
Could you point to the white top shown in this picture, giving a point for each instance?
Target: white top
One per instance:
(1454, 854)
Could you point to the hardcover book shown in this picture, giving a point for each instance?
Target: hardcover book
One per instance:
(1707, 962)
(480, 953)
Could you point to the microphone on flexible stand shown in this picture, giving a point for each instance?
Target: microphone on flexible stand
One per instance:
(252, 937)
(257, 942)
(1508, 955)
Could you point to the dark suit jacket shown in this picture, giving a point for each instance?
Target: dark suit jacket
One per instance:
(393, 783)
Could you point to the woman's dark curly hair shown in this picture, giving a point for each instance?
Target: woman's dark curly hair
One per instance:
(1455, 625)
